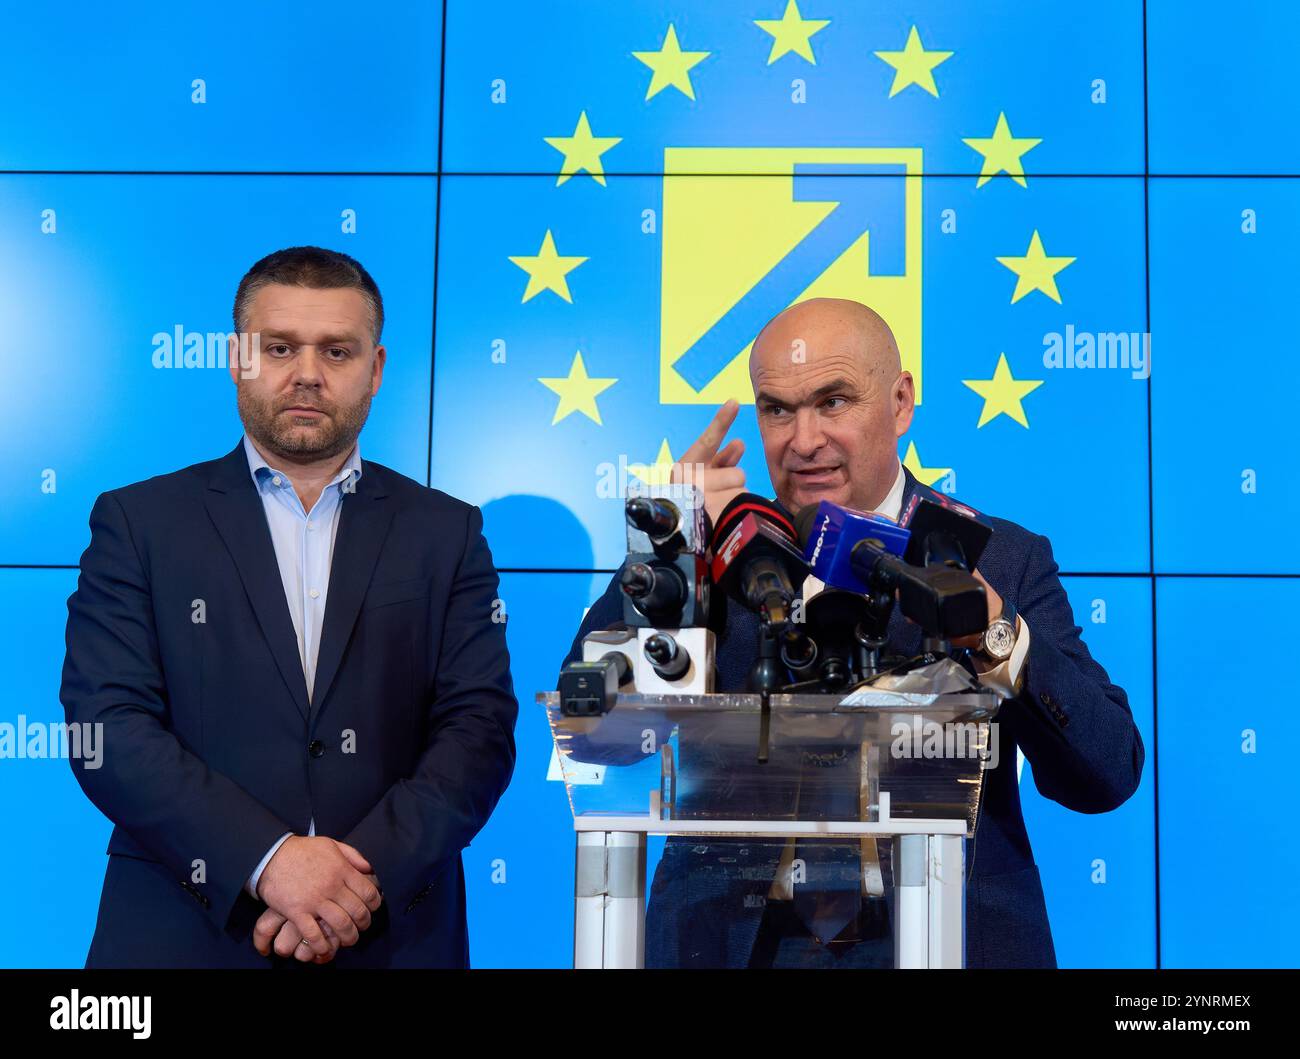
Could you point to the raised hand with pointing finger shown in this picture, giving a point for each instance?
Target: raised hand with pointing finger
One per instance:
(715, 471)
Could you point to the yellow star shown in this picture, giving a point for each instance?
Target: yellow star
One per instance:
(1002, 394)
(671, 66)
(914, 65)
(577, 392)
(657, 473)
(547, 270)
(924, 475)
(1036, 271)
(1002, 153)
(582, 151)
(792, 33)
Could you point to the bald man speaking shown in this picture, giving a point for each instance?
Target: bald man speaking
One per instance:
(832, 401)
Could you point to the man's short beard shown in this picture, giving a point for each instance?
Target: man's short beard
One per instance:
(335, 435)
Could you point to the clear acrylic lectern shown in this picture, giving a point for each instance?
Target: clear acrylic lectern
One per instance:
(896, 773)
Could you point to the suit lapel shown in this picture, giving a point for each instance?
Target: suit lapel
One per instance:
(236, 510)
(363, 525)
(910, 485)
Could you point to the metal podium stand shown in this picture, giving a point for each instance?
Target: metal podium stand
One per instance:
(910, 763)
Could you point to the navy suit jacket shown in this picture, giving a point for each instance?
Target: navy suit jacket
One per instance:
(180, 642)
(1073, 724)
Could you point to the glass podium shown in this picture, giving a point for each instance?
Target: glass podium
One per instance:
(891, 775)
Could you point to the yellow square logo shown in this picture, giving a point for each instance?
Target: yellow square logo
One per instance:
(783, 225)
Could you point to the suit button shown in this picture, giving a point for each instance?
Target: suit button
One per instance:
(316, 748)
(1048, 701)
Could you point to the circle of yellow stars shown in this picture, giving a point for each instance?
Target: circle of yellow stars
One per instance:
(913, 66)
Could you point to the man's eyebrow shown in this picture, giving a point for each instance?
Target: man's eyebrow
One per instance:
(271, 333)
(834, 386)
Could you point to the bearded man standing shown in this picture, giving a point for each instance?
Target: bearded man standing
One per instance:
(306, 701)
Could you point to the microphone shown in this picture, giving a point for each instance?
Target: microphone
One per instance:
(755, 558)
(944, 532)
(665, 579)
(667, 519)
(657, 589)
(835, 621)
(945, 600)
(654, 516)
(666, 656)
(771, 511)
(746, 503)
(829, 532)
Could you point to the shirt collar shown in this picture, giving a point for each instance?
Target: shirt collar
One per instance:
(262, 471)
(892, 506)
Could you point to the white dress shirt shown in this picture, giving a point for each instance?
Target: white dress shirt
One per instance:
(1001, 678)
(304, 550)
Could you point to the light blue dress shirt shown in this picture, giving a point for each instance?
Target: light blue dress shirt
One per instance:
(304, 550)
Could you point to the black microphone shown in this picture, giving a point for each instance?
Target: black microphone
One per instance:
(835, 619)
(944, 532)
(668, 658)
(944, 599)
(745, 503)
(656, 517)
(657, 589)
(756, 560)
(755, 557)
(665, 578)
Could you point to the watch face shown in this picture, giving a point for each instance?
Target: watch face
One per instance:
(999, 639)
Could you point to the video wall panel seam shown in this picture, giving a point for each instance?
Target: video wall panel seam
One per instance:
(1151, 533)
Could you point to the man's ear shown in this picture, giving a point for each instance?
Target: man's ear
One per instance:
(232, 356)
(377, 369)
(904, 398)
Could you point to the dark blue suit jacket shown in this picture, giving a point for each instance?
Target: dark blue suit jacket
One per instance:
(1073, 724)
(211, 748)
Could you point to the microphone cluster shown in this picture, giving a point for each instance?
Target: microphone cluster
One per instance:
(680, 569)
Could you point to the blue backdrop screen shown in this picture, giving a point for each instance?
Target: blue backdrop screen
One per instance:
(1081, 231)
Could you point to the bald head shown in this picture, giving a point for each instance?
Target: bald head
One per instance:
(832, 325)
(832, 400)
